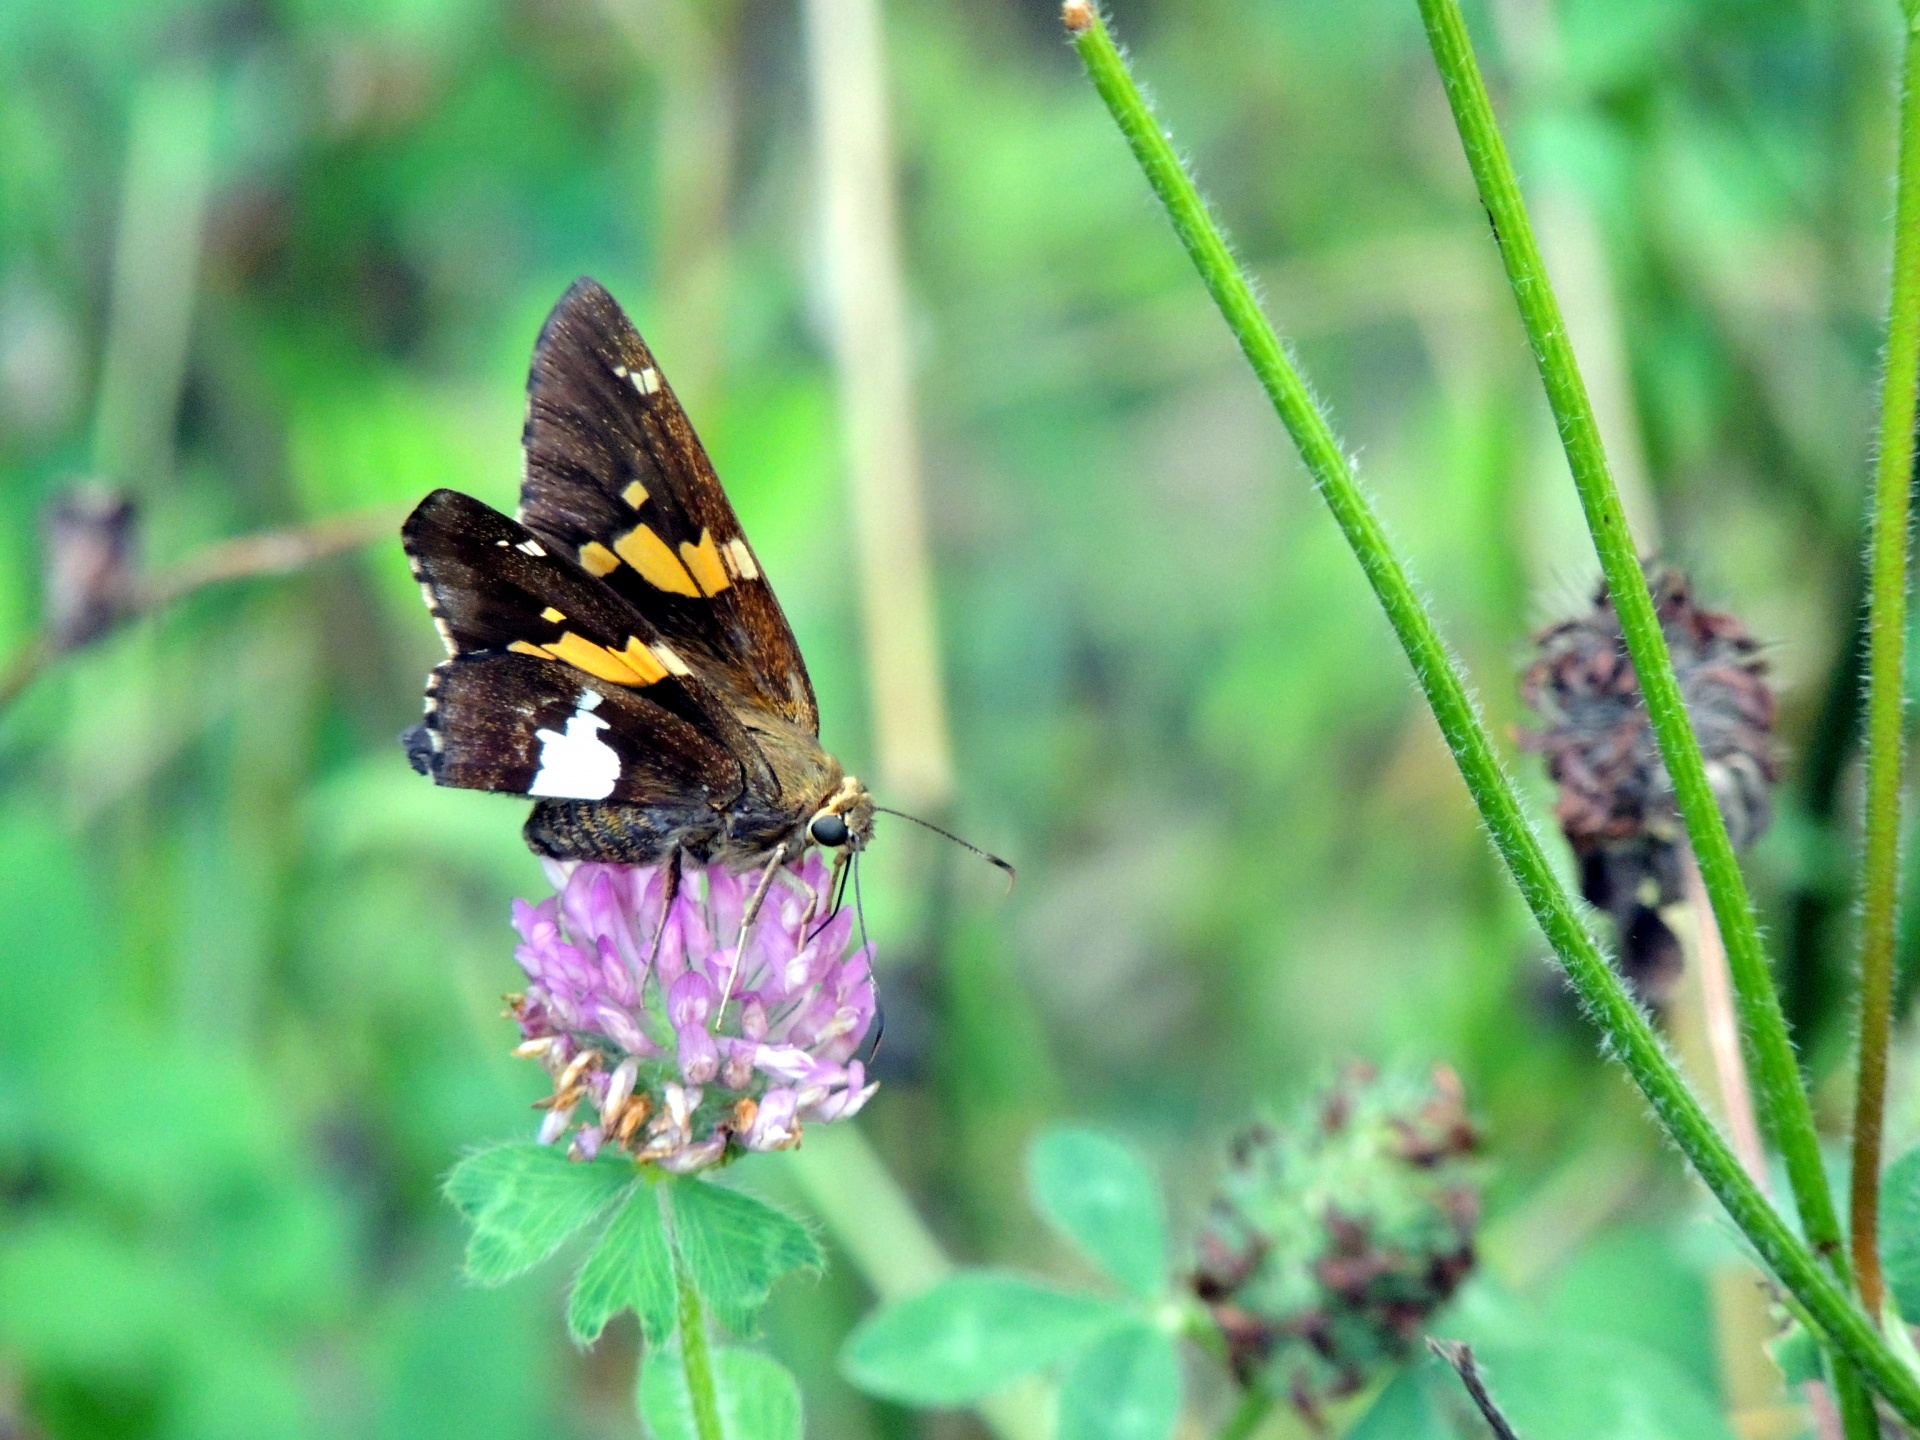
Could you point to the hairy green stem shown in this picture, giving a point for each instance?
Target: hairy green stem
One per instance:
(1781, 1096)
(1628, 1034)
(1783, 1102)
(1886, 687)
(696, 1358)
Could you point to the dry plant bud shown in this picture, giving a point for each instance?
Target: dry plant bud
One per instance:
(88, 575)
(1616, 804)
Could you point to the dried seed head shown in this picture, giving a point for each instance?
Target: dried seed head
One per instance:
(1616, 804)
(1331, 1239)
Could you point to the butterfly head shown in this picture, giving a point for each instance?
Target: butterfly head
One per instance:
(845, 819)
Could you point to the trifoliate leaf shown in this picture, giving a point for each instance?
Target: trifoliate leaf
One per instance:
(1125, 1386)
(523, 1201)
(1900, 1233)
(970, 1335)
(735, 1247)
(759, 1400)
(1103, 1197)
(629, 1267)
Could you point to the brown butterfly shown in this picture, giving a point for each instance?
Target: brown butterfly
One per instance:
(615, 651)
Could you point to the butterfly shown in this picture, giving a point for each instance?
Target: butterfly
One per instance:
(615, 651)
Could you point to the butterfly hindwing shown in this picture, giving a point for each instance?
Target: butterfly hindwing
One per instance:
(618, 482)
(526, 630)
(528, 726)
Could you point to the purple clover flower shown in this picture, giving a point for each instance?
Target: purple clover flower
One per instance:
(682, 1053)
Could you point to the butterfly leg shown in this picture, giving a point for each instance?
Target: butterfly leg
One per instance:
(832, 896)
(668, 895)
(747, 917)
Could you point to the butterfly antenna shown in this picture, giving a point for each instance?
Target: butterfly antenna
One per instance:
(986, 855)
(879, 1011)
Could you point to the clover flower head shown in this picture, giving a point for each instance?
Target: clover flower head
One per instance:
(1333, 1237)
(682, 1049)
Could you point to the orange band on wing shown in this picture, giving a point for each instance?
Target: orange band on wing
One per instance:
(703, 561)
(648, 554)
(634, 666)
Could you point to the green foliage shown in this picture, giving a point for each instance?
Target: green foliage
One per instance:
(250, 975)
(977, 1332)
(735, 1247)
(1409, 1407)
(1125, 1386)
(1100, 1195)
(1797, 1354)
(1574, 1387)
(629, 1267)
(1571, 1386)
(969, 1336)
(1900, 1233)
(758, 1397)
(524, 1201)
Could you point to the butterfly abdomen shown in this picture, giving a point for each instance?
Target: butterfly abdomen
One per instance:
(620, 834)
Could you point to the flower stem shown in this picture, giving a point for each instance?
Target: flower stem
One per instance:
(1782, 1098)
(1629, 1035)
(697, 1359)
(1886, 686)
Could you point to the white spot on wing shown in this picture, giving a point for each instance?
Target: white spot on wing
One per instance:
(531, 547)
(670, 658)
(742, 560)
(646, 381)
(575, 763)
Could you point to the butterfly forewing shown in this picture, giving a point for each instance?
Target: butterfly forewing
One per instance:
(616, 652)
(616, 480)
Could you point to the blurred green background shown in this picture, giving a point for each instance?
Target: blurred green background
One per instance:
(265, 263)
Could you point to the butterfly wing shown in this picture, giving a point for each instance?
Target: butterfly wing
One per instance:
(554, 684)
(527, 726)
(617, 481)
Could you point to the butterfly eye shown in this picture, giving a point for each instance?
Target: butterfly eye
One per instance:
(828, 830)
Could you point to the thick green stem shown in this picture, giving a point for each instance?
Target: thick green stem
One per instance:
(1886, 687)
(1628, 1033)
(696, 1358)
(1782, 1098)
(1783, 1103)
